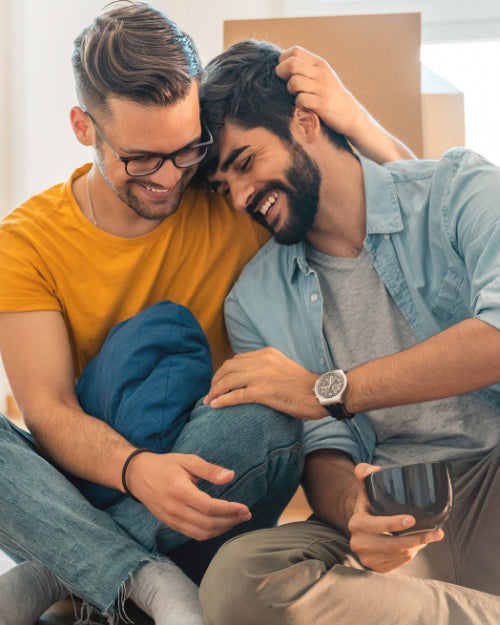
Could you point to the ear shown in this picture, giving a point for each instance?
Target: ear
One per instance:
(306, 123)
(82, 126)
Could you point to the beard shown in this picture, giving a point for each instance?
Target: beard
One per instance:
(301, 187)
(152, 210)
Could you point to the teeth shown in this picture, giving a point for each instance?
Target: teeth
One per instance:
(264, 209)
(155, 190)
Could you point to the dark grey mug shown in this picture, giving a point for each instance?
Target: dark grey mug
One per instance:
(423, 490)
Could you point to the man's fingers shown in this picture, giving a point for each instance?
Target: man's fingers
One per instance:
(308, 101)
(187, 502)
(297, 60)
(363, 469)
(201, 469)
(210, 508)
(221, 387)
(381, 524)
(302, 84)
(231, 398)
(206, 517)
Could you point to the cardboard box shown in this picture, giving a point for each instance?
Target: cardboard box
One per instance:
(376, 56)
(443, 115)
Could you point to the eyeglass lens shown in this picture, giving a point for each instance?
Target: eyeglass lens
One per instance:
(149, 163)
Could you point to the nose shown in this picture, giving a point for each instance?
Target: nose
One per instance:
(167, 176)
(241, 192)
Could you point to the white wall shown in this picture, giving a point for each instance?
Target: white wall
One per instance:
(442, 20)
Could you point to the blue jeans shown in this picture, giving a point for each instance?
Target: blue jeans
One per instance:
(44, 518)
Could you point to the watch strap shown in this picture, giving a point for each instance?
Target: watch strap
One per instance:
(339, 412)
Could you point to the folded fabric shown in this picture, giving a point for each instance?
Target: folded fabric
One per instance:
(144, 382)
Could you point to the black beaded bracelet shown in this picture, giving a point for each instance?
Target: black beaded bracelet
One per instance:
(136, 452)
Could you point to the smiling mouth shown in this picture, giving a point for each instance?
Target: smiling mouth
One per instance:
(265, 206)
(154, 189)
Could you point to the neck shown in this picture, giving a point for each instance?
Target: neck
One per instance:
(340, 225)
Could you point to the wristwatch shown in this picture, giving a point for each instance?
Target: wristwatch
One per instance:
(329, 390)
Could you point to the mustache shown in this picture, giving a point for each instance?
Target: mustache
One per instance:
(155, 185)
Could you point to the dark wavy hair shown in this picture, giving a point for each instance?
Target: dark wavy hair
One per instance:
(135, 52)
(241, 85)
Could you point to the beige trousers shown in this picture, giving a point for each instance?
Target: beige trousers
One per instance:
(305, 574)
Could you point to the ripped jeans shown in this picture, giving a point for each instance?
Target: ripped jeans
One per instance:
(44, 518)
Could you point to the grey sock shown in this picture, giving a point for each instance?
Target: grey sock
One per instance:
(166, 594)
(26, 591)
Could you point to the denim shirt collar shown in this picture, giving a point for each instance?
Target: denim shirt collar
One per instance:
(383, 214)
(297, 260)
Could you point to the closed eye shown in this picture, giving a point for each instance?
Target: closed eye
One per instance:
(245, 164)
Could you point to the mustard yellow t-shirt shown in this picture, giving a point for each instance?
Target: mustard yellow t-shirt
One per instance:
(52, 258)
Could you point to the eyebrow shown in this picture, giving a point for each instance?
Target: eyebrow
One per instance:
(232, 157)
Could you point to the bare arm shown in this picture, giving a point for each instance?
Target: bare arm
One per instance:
(463, 358)
(336, 493)
(318, 88)
(37, 357)
(330, 487)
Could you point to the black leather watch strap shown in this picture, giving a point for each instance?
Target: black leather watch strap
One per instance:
(338, 411)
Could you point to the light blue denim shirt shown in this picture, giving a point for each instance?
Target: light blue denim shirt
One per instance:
(433, 234)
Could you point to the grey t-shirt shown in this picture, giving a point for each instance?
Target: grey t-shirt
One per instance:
(361, 322)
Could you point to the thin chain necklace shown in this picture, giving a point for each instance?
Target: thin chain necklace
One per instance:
(92, 211)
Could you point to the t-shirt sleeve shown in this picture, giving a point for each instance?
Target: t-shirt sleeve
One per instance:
(25, 281)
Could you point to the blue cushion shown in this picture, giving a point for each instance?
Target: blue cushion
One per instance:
(145, 380)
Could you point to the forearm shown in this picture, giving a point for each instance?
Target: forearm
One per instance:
(463, 358)
(38, 361)
(78, 443)
(330, 486)
(374, 142)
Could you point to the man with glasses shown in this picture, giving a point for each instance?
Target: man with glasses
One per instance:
(122, 234)
(150, 163)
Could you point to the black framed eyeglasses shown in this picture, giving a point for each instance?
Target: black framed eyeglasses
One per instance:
(146, 164)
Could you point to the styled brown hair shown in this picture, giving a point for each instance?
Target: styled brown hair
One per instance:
(135, 52)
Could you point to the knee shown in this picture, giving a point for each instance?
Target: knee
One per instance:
(228, 591)
(264, 447)
(258, 436)
(252, 424)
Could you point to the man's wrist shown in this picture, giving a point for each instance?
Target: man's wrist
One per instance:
(348, 399)
(330, 389)
(360, 125)
(125, 468)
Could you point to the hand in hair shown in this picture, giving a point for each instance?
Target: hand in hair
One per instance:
(318, 88)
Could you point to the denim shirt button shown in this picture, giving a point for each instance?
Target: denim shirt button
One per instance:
(314, 297)
(387, 236)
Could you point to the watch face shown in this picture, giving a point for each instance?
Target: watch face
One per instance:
(330, 384)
